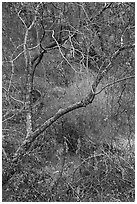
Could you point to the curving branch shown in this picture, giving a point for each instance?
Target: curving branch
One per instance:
(115, 82)
(25, 146)
(30, 138)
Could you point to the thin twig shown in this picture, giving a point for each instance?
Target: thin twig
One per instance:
(111, 84)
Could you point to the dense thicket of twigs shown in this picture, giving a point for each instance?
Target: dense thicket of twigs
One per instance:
(68, 102)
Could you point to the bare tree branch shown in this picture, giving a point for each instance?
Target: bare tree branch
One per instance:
(31, 133)
(83, 103)
(102, 10)
(115, 82)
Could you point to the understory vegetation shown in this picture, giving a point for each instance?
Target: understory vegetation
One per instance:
(68, 102)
